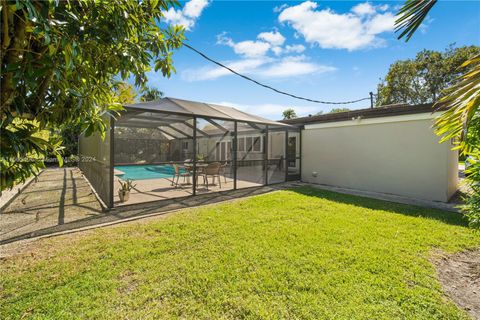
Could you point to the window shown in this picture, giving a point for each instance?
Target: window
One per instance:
(241, 144)
(248, 144)
(292, 147)
(229, 150)
(223, 150)
(185, 145)
(257, 146)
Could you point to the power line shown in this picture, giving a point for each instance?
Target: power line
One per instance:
(267, 86)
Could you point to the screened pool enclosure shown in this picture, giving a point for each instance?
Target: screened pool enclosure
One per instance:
(175, 148)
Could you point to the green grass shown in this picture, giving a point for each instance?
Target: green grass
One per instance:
(301, 253)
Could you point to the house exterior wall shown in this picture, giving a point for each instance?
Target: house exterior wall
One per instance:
(398, 155)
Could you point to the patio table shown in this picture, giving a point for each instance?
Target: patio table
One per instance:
(189, 166)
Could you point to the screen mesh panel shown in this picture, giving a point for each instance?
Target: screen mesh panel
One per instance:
(174, 148)
(276, 156)
(95, 163)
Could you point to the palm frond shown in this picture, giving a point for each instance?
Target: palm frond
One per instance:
(411, 16)
(462, 102)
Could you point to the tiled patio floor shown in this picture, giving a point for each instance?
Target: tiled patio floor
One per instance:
(162, 189)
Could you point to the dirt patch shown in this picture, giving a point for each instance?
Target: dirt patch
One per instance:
(459, 275)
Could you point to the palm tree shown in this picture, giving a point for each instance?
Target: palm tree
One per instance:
(151, 94)
(461, 120)
(289, 114)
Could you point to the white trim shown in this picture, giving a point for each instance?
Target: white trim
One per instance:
(358, 121)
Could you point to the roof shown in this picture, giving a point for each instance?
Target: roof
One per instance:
(384, 111)
(199, 109)
(174, 119)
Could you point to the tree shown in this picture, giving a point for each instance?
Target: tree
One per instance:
(425, 78)
(289, 114)
(337, 110)
(60, 62)
(151, 94)
(460, 122)
(125, 93)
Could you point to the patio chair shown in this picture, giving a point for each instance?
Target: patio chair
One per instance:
(188, 165)
(177, 174)
(223, 169)
(213, 169)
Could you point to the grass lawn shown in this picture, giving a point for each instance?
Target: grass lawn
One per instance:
(302, 253)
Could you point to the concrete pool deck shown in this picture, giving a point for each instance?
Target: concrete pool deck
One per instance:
(161, 189)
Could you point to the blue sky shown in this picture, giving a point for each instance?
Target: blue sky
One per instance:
(325, 50)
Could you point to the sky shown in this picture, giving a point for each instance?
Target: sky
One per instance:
(323, 50)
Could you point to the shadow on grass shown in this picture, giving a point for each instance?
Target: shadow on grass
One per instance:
(393, 207)
(163, 206)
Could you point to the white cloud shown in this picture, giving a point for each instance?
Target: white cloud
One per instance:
(383, 7)
(188, 15)
(297, 48)
(277, 50)
(251, 48)
(293, 67)
(256, 48)
(280, 8)
(275, 38)
(425, 25)
(256, 59)
(380, 23)
(353, 30)
(210, 73)
(194, 8)
(261, 67)
(246, 48)
(362, 9)
(270, 110)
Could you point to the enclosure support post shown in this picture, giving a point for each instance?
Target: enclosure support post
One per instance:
(286, 155)
(194, 176)
(265, 155)
(300, 151)
(112, 161)
(235, 150)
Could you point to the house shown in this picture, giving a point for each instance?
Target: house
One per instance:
(213, 148)
(391, 149)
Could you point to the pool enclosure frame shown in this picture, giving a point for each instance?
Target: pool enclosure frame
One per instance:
(97, 155)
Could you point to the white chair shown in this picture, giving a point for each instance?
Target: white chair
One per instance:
(177, 174)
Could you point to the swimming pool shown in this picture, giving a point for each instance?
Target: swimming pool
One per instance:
(144, 172)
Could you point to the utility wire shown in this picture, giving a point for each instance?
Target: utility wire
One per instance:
(267, 86)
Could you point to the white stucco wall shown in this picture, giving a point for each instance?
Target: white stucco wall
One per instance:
(396, 155)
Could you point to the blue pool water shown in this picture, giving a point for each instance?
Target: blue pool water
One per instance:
(144, 172)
